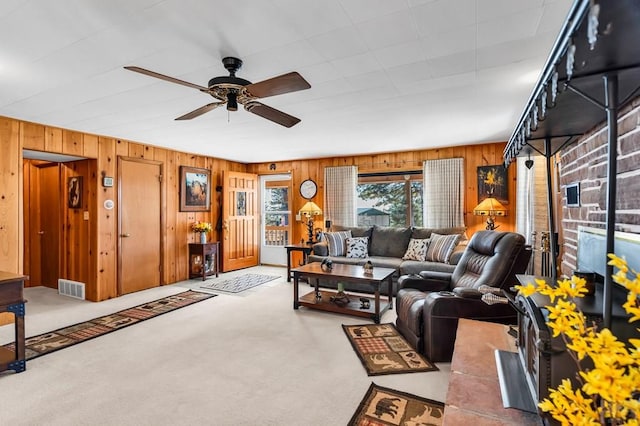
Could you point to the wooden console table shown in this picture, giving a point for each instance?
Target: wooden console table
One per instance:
(208, 255)
(473, 396)
(306, 251)
(12, 300)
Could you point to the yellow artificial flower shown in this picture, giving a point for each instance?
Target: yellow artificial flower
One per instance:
(201, 227)
(608, 392)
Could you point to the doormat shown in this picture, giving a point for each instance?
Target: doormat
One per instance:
(68, 336)
(383, 350)
(240, 283)
(384, 406)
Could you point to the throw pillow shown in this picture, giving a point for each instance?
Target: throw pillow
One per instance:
(357, 247)
(417, 249)
(441, 247)
(337, 242)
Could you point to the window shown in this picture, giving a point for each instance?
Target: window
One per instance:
(390, 199)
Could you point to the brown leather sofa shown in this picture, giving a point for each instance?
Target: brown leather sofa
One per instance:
(429, 304)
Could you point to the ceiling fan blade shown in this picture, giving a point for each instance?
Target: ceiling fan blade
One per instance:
(198, 112)
(272, 114)
(291, 82)
(166, 78)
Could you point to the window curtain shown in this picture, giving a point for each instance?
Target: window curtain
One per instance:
(340, 195)
(443, 183)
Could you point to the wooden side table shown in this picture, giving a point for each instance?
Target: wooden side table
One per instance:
(203, 259)
(306, 251)
(12, 300)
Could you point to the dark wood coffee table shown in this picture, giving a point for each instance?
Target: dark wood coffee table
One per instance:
(321, 299)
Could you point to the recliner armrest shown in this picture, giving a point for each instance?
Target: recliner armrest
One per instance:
(452, 306)
(433, 275)
(467, 292)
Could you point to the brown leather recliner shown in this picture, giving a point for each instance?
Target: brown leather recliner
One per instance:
(430, 304)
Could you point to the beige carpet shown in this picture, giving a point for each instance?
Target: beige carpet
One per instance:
(238, 359)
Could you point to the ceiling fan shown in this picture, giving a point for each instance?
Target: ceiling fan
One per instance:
(231, 91)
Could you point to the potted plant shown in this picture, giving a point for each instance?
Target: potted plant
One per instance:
(201, 228)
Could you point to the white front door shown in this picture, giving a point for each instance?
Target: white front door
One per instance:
(275, 218)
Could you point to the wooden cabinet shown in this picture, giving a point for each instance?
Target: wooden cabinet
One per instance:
(203, 259)
(12, 300)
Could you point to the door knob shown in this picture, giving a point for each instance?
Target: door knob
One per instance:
(125, 235)
(40, 232)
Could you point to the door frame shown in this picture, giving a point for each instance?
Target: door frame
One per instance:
(262, 180)
(118, 209)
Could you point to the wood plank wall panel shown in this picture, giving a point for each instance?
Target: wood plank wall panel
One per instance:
(76, 237)
(474, 155)
(172, 199)
(53, 139)
(11, 243)
(106, 226)
(72, 143)
(90, 146)
(32, 136)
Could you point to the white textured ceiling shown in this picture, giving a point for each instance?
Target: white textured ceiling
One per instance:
(386, 75)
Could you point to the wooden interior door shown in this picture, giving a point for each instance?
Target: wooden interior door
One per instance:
(240, 213)
(45, 253)
(140, 218)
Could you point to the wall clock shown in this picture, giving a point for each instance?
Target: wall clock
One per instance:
(308, 189)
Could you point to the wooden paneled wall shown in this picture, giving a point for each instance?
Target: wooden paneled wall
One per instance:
(474, 155)
(90, 246)
(90, 253)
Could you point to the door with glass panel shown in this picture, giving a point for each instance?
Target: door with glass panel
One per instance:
(276, 218)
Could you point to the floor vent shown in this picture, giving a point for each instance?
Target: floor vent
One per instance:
(70, 288)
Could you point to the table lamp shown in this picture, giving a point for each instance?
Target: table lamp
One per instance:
(491, 208)
(310, 209)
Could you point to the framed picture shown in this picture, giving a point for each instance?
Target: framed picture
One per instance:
(74, 188)
(492, 182)
(195, 189)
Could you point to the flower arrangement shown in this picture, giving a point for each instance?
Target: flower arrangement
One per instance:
(609, 392)
(201, 227)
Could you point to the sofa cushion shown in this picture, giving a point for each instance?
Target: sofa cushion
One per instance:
(337, 242)
(417, 249)
(356, 231)
(441, 247)
(389, 242)
(357, 247)
(426, 232)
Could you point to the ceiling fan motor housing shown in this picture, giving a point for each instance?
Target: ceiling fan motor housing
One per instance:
(227, 88)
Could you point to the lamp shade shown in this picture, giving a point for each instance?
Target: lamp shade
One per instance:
(490, 207)
(310, 209)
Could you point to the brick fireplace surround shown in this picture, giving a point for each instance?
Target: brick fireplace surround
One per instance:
(586, 162)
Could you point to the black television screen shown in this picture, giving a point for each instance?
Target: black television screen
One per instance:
(573, 195)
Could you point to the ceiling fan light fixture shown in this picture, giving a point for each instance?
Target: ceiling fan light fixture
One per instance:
(232, 101)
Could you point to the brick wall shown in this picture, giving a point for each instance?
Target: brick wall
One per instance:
(586, 162)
